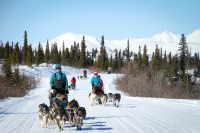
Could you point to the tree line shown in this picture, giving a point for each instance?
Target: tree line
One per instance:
(160, 75)
(78, 56)
(121, 60)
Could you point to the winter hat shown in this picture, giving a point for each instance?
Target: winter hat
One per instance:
(58, 66)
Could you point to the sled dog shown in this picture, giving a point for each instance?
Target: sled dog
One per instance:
(110, 97)
(82, 111)
(104, 99)
(43, 114)
(52, 114)
(79, 115)
(57, 112)
(93, 97)
(60, 118)
(116, 99)
(72, 105)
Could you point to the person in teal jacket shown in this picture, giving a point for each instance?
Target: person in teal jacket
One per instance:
(58, 81)
(96, 83)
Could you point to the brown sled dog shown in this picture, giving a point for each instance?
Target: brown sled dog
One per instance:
(70, 108)
(79, 116)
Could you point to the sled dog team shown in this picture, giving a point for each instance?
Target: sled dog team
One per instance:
(60, 110)
(58, 113)
(104, 98)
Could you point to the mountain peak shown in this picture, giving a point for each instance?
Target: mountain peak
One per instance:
(194, 37)
(165, 37)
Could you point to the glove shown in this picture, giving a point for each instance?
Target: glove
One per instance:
(52, 87)
(66, 91)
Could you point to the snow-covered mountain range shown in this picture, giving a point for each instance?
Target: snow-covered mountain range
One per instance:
(167, 40)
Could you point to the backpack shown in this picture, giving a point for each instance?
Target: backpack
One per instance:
(58, 82)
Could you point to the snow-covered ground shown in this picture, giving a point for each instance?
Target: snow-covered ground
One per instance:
(134, 115)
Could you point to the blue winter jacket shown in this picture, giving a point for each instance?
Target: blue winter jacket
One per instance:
(56, 76)
(96, 81)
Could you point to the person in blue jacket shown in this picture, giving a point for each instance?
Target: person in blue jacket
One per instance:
(59, 82)
(96, 83)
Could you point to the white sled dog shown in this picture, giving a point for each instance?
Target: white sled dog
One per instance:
(93, 97)
(116, 99)
(101, 99)
(104, 99)
(43, 114)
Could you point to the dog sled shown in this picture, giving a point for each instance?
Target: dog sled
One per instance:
(97, 96)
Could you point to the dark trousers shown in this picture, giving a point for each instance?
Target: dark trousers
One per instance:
(98, 90)
(60, 90)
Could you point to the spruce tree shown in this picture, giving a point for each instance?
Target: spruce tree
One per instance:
(164, 61)
(7, 70)
(25, 47)
(67, 56)
(135, 57)
(198, 68)
(59, 56)
(156, 60)
(139, 59)
(183, 52)
(103, 58)
(29, 58)
(16, 54)
(16, 77)
(94, 52)
(115, 63)
(2, 51)
(195, 60)
(83, 53)
(165, 58)
(75, 54)
(54, 53)
(120, 61)
(145, 57)
(47, 53)
(63, 54)
(72, 55)
(170, 58)
(128, 52)
(20, 55)
(11, 54)
(174, 66)
(89, 59)
(7, 50)
(40, 55)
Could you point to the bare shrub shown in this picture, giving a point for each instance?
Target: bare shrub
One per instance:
(16, 90)
(144, 86)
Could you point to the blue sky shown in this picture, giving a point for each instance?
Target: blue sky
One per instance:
(116, 19)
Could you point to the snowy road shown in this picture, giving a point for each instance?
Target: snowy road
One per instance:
(134, 115)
